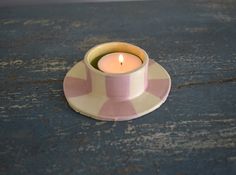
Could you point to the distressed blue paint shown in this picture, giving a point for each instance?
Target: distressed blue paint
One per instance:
(192, 133)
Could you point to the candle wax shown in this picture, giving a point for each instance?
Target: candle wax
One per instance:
(119, 62)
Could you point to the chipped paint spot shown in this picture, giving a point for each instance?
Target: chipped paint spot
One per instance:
(10, 22)
(223, 17)
(130, 129)
(17, 62)
(49, 65)
(99, 123)
(76, 24)
(42, 22)
(231, 159)
(196, 29)
(19, 106)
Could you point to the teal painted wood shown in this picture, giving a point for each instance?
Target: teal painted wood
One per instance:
(194, 132)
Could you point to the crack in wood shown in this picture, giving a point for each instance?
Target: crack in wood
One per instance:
(190, 84)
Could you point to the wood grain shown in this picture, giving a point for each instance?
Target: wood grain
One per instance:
(194, 132)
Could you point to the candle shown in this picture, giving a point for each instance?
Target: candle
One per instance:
(119, 62)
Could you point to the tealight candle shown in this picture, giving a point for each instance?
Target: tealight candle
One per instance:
(119, 62)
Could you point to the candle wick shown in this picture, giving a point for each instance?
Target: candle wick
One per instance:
(121, 63)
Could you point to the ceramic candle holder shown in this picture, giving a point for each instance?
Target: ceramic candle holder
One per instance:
(116, 97)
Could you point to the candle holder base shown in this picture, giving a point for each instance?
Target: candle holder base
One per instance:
(78, 93)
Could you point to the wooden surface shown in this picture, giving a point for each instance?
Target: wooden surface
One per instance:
(194, 132)
(39, 2)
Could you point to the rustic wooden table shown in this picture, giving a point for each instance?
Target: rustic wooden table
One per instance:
(194, 132)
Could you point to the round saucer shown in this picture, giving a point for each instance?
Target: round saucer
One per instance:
(78, 93)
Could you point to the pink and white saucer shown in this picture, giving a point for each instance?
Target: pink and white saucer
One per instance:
(83, 98)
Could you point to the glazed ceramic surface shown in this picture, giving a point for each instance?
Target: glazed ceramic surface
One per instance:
(116, 97)
(101, 103)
